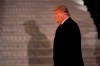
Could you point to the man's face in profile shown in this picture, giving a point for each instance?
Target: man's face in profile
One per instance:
(58, 16)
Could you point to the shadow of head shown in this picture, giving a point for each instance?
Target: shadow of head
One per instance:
(31, 27)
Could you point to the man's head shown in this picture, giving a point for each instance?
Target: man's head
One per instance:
(60, 13)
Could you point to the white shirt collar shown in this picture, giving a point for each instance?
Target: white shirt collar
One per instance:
(64, 20)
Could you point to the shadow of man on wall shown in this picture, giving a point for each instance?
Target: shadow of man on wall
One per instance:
(38, 45)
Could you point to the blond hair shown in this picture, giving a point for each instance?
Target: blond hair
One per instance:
(62, 8)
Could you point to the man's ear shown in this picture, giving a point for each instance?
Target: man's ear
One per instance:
(63, 15)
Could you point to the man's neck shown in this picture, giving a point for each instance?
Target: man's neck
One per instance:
(64, 20)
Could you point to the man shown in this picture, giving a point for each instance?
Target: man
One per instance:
(67, 41)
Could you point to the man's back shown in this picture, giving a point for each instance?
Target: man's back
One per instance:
(67, 44)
